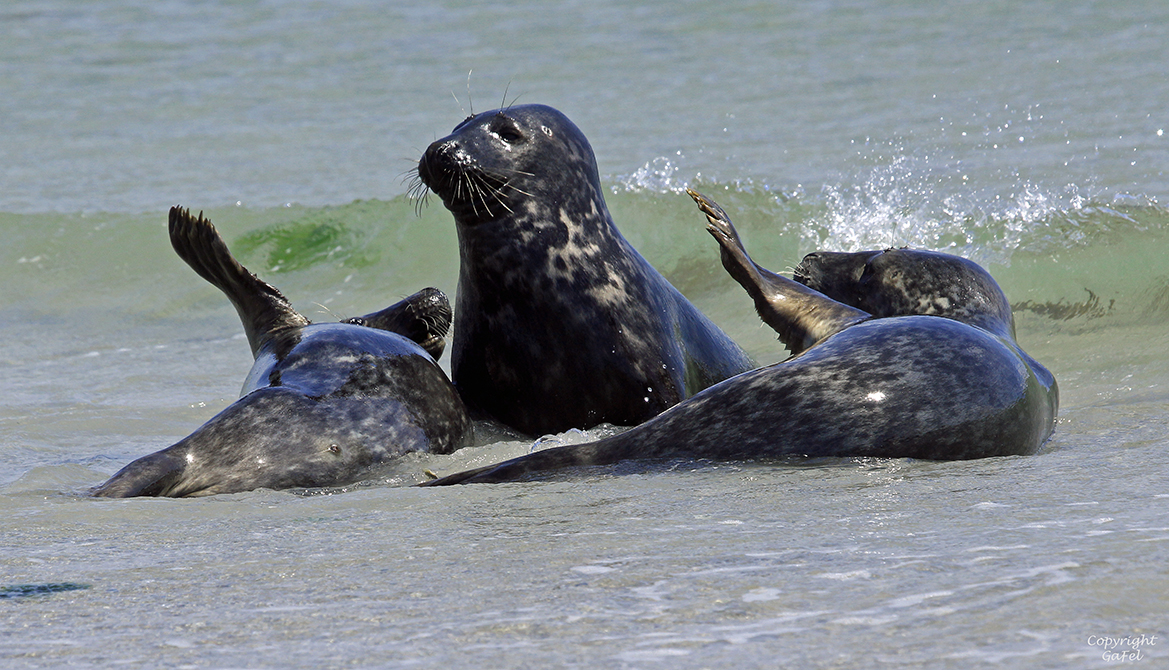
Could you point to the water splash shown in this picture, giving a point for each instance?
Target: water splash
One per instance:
(921, 201)
(930, 199)
(659, 175)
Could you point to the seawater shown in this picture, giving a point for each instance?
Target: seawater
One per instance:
(1030, 138)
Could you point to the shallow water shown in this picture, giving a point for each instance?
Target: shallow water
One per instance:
(1028, 138)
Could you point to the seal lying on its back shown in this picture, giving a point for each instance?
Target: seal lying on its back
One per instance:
(559, 322)
(898, 354)
(322, 403)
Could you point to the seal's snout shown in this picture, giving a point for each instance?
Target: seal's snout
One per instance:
(431, 305)
(836, 273)
(803, 272)
(428, 166)
(442, 162)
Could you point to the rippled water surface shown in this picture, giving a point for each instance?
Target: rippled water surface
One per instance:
(1030, 138)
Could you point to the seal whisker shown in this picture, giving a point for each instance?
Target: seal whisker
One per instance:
(497, 189)
(518, 190)
(498, 172)
(412, 179)
(501, 182)
(499, 198)
(476, 189)
(326, 310)
(462, 193)
(504, 104)
(467, 185)
(479, 184)
(470, 102)
(417, 190)
(486, 187)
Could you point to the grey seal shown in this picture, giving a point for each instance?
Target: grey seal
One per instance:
(896, 354)
(559, 321)
(322, 402)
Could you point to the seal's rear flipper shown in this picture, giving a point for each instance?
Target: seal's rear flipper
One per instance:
(424, 317)
(150, 475)
(800, 315)
(261, 307)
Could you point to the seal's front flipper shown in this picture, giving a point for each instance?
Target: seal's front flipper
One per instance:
(262, 308)
(799, 314)
(424, 317)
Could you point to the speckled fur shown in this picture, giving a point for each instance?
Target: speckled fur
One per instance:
(321, 404)
(899, 282)
(559, 322)
(947, 386)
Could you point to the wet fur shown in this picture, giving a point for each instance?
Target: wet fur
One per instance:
(322, 402)
(559, 321)
(950, 384)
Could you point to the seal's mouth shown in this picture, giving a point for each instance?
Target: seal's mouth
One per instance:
(439, 167)
(802, 274)
(424, 317)
(467, 188)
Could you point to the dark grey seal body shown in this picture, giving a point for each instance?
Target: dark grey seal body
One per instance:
(322, 403)
(559, 321)
(931, 372)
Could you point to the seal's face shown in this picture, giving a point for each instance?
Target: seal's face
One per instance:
(424, 317)
(901, 282)
(495, 162)
(844, 277)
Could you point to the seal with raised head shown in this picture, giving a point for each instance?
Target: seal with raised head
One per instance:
(322, 403)
(559, 322)
(896, 354)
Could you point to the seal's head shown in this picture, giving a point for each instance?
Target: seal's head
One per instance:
(902, 282)
(424, 317)
(496, 164)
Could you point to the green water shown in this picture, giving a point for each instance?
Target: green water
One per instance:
(1027, 136)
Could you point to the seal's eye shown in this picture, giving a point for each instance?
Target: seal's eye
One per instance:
(510, 135)
(506, 130)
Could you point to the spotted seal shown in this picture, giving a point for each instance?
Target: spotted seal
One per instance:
(897, 353)
(321, 404)
(559, 321)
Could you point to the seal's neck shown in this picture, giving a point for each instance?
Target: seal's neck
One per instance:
(534, 234)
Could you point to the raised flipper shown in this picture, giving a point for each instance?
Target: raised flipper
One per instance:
(800, 315)
(424, 317)
(263, 309)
